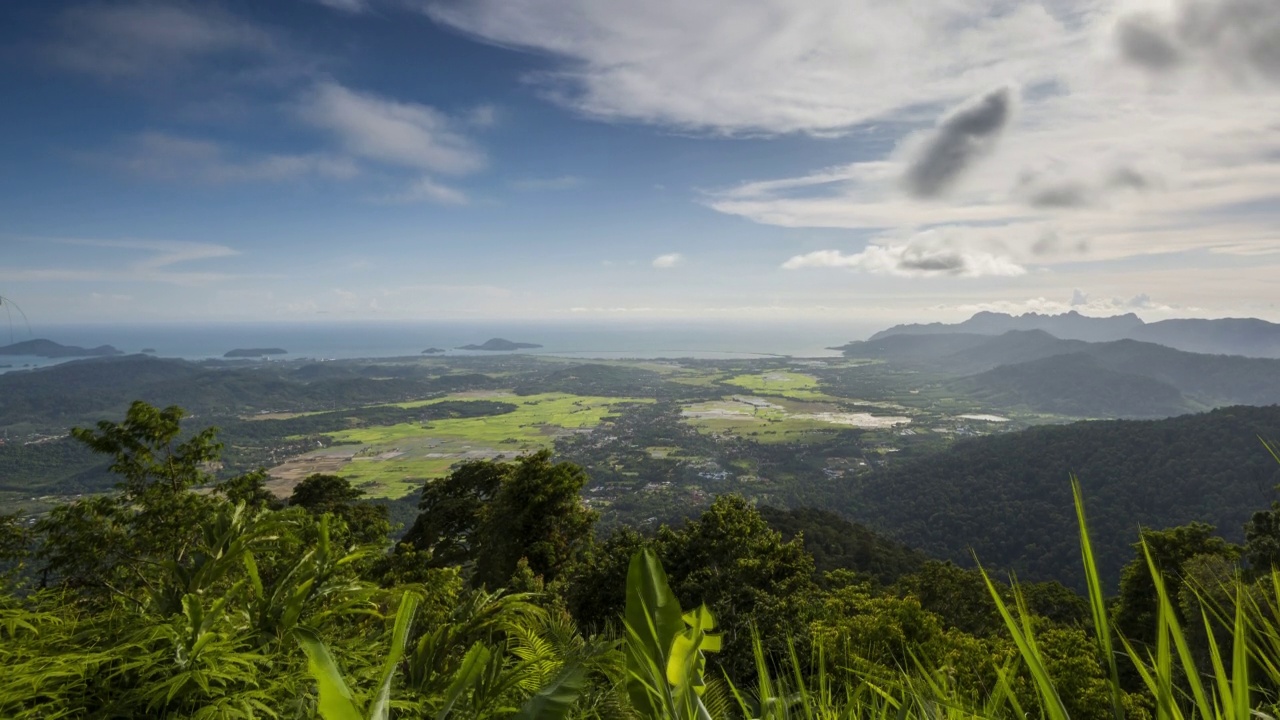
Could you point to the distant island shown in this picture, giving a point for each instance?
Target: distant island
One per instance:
(432, 351)
(148, 351)
(254, 352)
(500, 345)
(50, 349)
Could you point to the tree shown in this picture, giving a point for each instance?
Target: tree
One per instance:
(451, 510)
(957, 595)
(148, 456)
(1135, 614)
(250, 489)
(1262, 539)
(730, 559)
(112, 542)
(536, 514)
(321, 494)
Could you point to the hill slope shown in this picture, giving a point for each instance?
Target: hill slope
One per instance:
(1076, 384)
(1009, 499)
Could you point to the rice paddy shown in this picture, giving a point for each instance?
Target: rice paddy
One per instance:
(393, 460)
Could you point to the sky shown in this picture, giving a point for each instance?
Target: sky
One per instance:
(608, 160)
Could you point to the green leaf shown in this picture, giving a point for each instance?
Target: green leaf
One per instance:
(555, 700)
(471, 672)
(336, 701)
(653, 620)
(381, 707)
(1097, 603)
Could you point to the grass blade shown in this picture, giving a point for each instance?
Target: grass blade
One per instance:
(336, 700)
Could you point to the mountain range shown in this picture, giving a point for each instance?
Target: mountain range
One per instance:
(1033, 370)
(1249, 337)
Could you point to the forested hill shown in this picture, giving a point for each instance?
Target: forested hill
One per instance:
(83, 391)
(1008, 497)
(1076, 385)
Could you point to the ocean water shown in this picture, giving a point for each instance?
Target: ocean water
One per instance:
(346, 340)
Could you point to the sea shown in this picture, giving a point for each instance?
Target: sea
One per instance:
(349, 340)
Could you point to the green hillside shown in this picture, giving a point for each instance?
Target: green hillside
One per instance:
(1007, 498)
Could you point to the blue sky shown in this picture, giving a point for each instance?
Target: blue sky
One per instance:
(599, 159)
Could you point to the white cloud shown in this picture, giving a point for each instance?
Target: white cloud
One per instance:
(427, 190)
(773, 65)
(392, 132)
(1109, 156)
(908, 260)
(165, 156)
(1081, 303)
(667, 261)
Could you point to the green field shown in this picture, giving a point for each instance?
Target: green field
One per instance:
(778, 420)
(781, 383)
(413, 452)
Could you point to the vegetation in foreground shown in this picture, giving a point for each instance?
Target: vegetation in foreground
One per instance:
(501, 603)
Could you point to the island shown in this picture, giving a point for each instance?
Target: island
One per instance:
(50, 349)
(500, 345)
(254, 352)
(148, 351)
(432, 351)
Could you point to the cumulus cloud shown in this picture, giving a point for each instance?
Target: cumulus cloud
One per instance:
(1238, 39)
(961, 138)
(392, 132)
(667, 261)
(931, 253)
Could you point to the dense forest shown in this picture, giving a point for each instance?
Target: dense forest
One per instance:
(502, 600)
(1004, 499)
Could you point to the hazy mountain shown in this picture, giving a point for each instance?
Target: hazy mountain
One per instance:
(1249, 337)
(1235, 336)
(1075, 384)
(1015, 370)
(500, 345)
(50, 349)
(1069, 326)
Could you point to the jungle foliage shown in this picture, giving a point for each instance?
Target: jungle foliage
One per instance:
(162, 600)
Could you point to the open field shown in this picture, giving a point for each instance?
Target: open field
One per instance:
(393, 460)
(781, 383)
(779, 420)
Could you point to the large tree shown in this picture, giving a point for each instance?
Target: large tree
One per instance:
(451, 510)
(536, 514)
